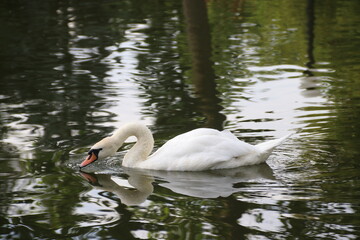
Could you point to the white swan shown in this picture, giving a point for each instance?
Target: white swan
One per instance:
(197, 150)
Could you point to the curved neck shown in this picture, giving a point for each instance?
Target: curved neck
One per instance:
(143, 146)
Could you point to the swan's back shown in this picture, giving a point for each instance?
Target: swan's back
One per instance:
(201, 149)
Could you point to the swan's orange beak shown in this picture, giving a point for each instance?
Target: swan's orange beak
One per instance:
(90, 159)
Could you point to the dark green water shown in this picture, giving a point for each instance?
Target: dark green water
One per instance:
(71, 72)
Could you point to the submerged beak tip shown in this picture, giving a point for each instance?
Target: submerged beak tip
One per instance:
(83, 164)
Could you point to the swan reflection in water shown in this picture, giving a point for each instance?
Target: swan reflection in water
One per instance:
(129, 196)
(207, 184)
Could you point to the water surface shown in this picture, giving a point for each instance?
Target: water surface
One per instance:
(72, 72)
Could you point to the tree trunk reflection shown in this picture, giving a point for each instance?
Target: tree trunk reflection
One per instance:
(199, 40)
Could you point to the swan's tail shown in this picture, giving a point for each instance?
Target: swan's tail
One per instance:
(266, 148)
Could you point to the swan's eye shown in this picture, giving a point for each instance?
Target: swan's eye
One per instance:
(95, 151)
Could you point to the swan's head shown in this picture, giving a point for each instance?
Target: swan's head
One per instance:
(93, 155)
(103, 149)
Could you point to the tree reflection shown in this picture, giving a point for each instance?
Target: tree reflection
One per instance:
(55, 86)
(52, 82)
(310, 82)
(203, 77)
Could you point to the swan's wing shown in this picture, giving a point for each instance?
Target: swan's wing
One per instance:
(196, 134)
(228, 134)
(199, 149)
